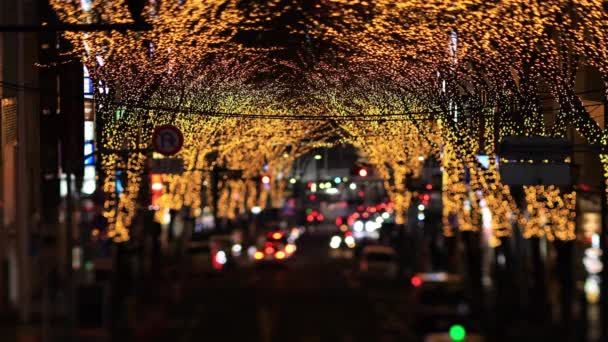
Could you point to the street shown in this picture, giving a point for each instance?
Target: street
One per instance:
(313, 298)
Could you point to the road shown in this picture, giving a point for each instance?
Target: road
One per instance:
(313, 298)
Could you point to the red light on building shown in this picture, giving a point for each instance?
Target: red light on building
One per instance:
(320, 217)
(429, 186)
(339, 221)
(312, 197)
(584, 187)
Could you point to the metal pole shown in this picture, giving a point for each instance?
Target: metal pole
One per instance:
(604, 247)
(70, 246)
(604, 273)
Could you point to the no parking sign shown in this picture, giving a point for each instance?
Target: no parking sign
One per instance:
(167, 140)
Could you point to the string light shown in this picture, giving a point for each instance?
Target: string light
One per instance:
(472, 70)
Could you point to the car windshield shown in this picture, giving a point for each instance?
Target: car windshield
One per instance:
(201, 249)
(442, 295)
(380, 257)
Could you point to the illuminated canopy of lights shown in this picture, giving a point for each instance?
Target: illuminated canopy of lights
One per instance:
(253, 84)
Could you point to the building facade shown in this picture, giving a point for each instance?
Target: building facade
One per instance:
(41, 150)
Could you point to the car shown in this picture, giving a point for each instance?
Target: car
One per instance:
(222, 252)
(342, 246)
(378, 261)
(441, 303)
(274, 248)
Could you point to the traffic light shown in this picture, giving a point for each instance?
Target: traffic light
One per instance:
(457, 332)
(424, 198)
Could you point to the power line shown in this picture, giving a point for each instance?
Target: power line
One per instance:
(67, 27)
(385, 117)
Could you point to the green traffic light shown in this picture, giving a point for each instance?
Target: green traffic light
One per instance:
(457, 332)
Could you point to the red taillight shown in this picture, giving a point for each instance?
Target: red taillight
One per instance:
(269, 250)
(416, 281)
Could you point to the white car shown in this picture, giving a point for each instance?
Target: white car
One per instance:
(378, 262)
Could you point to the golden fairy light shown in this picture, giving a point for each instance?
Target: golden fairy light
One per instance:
(407, 78)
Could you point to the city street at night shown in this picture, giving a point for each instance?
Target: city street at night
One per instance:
(303, 170)
(313, 298)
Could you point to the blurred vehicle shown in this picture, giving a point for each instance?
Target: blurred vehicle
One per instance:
(223, 251)
(441, 304)
(199, 256)
(294, 234)
(275, 247)
(342, 246)
(342, 223)
(379, 262)
(366, 228)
